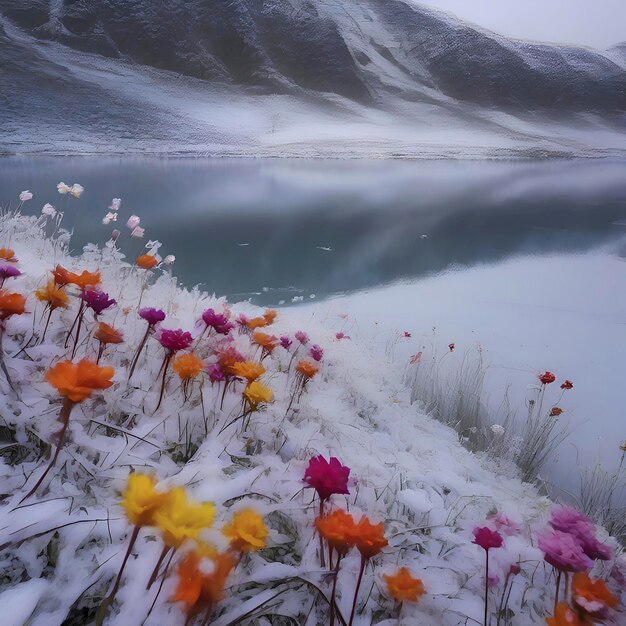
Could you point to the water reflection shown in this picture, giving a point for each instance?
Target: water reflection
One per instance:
(274, 229)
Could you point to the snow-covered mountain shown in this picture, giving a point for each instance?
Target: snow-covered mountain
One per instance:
(296, 76)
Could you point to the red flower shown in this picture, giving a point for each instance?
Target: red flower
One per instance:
(546, 378)
(327, 477)
(407, 334)
(451, 346)
(555, 411)
(568, 384)
(487, 538)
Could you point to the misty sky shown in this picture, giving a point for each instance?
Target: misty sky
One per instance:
(597, 23)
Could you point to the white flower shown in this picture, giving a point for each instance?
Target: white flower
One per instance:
(25, 196)
(106, 220)
(133, 222)
(169, 259)
(154, 245)
(48, 210)
(77, 190)
(497, 430)
(63, 188)
(112, 216)
(137, 232)
(115, 204)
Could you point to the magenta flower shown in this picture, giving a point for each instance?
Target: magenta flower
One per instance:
(316, 352)
(152, 316)
(97, 300)
(487, 538)
(215, 373)
(568, 520)
(285, 342)
(217, 321)
(302, 337)
(174, 340)
(8, 271)
(564, 552)
(327, 477)
(340, 336)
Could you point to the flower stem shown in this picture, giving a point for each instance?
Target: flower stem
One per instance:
(155, 571)
(133, 364)
(558, 586)
(486, 583)
(356, 590)
(334, 592)
(322, 564)
(166, 363)
(45, 329)
(64, 418)
(81, 313)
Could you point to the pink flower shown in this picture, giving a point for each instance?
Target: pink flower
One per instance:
(285, 342)
(565, 519)
(327, 477)
(493, 580)
(215, 373)
(546, 378)
(487, 538)
(340, 336)
(564, 552)
(218, 321)
(316, 352)
(97, 300)
(302, 337)
(174, 340)
(568, 520)
(152, 316)
(504, 524)
(407, 335)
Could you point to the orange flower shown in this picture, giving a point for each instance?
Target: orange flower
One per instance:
(107, 334)
(199, 590)
(403, 587)
(592, 596)
(6, 254)
(338, 529)
(250, 370)
(146, 261)
(61, 276)
(11, 304)
(307, 369)
(84, 279)
(564, 616)
(269, 316)
(187, 365)
(77, 381)
(267, 342)
(55, 297)
(256, 322)
(369, 538)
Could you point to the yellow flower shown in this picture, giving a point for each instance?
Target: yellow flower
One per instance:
(181, 519)
(256, 393)
(141, 499)
(246, 531)
(250, 370)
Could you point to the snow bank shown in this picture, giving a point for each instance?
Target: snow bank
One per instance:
(62, 547)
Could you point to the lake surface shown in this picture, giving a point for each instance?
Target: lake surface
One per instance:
(274, 230)
(525, 259)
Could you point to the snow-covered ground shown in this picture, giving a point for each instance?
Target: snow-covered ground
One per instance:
(62, 547)
(563, 313)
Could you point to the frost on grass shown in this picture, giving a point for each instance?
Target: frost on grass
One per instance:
(231, 405)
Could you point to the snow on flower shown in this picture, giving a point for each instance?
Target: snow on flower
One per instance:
(25, 196)
(133, 222)
(63, 189)
(170, 259)
(137, 232)
(48, 210)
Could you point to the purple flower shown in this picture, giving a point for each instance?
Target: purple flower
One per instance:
(97, 300)
(302, 337)
(8, 271)
(487, 538)
(568, 520)
(175, 340)
(216, 375)
(218, 321)
(493, 580)
(327, 477)
(564, 552)
(285, 342)
(152, 316)
(316, 352)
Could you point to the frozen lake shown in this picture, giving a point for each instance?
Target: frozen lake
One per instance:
(524, 258)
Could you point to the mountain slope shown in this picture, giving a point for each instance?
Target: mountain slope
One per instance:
(324, 62)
